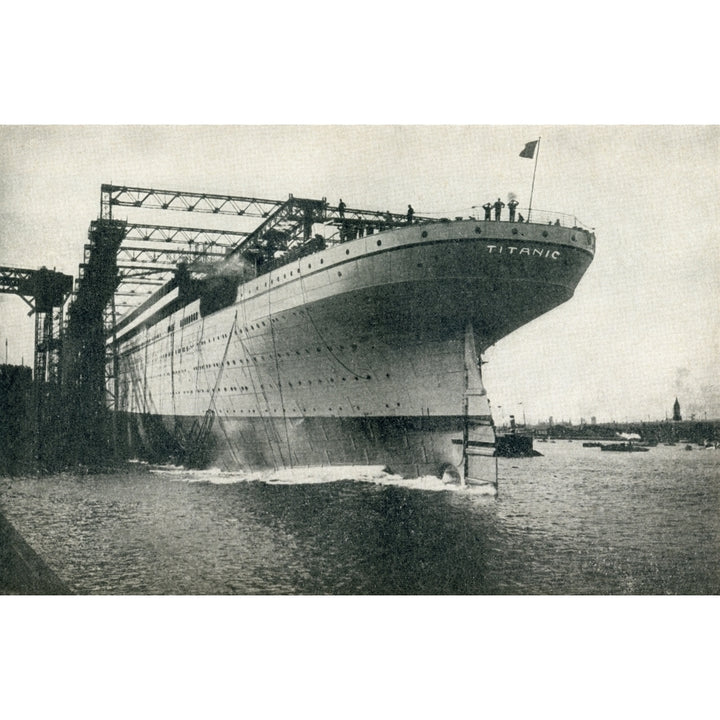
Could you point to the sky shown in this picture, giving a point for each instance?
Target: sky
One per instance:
(641, 329)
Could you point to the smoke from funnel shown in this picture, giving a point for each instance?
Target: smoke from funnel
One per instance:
(512, 196)
(235, 265)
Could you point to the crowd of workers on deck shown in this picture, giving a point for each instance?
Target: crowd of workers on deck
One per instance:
(489, 207)
(498, 205)
(388, 215)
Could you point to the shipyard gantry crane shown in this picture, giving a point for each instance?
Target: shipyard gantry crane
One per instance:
(128, 258)
(45, 291)
(151, 251)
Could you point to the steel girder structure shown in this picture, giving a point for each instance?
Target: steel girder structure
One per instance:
(45, 291)
(291, 224)
(149, 255)
(17, 281)
(289, 217)
(150, 252)
(179, 200)
(196, 238)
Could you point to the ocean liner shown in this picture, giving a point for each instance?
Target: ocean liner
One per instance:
(362, 347)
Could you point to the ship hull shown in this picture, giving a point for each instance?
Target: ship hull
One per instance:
(405, 445)
(353, 355)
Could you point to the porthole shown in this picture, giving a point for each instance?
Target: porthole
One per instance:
(424, 233)
(347, 252)
(478, 229)
(379, 242)
(545, 233)
(514, 231)
(321, 261)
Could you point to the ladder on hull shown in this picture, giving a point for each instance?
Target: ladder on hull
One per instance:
(478, 427)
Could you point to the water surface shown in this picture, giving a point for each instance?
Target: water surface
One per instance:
(576, 521)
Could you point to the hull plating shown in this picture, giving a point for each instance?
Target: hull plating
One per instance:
(352, 355)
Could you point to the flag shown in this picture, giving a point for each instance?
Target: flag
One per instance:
(529, 150)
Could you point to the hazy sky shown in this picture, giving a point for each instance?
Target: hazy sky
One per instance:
(641, 329)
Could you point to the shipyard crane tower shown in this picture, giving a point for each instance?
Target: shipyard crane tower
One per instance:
(45, 291)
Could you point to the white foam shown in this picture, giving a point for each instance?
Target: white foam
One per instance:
(318, 476)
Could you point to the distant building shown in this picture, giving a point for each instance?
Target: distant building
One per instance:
(593, 420)
(676, 411)
(550, 420)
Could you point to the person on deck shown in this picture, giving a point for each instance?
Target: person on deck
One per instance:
(499, 205)
(410, 213)
(511, 208)
(341, 208)
(488, 208)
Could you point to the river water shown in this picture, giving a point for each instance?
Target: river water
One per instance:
(576, 521)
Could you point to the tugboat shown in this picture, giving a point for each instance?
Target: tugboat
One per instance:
(515, 444)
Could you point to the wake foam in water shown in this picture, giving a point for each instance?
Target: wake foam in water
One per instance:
(318, 475)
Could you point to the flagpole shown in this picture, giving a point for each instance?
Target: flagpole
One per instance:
(532, 188)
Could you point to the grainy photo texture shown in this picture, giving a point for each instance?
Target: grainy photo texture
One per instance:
(354, 360)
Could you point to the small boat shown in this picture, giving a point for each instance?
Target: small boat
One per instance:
(624, 447)
(592, 444)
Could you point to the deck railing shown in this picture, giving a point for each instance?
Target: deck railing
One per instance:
(539, 217)
(550, 217)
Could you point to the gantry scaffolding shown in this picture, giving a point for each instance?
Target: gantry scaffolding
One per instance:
(128, 258)
(45, 292)
(266, 230)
